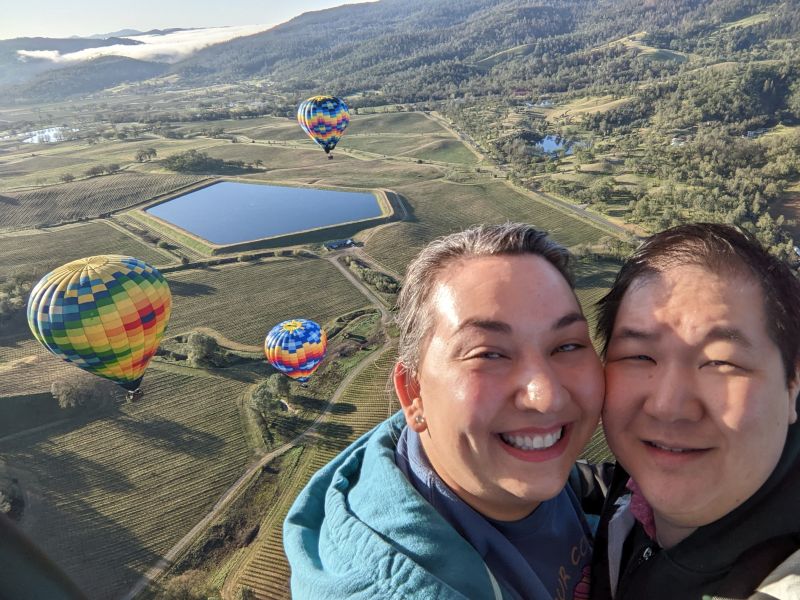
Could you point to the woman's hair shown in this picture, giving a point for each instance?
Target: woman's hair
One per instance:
(722, 250)
(414, 315)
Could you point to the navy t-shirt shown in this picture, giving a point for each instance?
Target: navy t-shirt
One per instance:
(544, 556)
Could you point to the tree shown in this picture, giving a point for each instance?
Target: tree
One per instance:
(111, 168)
(81, 391)
(67, 177)
(278, 385)
(201, 348)
(95, 171)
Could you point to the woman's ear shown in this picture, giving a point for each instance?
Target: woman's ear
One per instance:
(406, 387)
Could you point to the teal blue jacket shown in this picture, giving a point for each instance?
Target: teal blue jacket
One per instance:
(360, 530)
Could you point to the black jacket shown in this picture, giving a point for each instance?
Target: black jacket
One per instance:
(728, 558)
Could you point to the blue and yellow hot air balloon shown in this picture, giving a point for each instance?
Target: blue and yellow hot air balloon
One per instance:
(296, 348)
(106, 314)
(324, 119)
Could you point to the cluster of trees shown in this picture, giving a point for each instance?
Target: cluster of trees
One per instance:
(145, 154)
(380, 281)
(14, 295)
(83, 393)
(94, 171)
(194, 161)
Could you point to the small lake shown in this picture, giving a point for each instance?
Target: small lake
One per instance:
(552, 144)
(46, 136)
(230, 212)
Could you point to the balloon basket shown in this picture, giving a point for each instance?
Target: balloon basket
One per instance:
(330, 157)
(134, 395)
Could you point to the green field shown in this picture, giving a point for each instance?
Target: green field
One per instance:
(243, 301)
(440, 208)
(109, 496)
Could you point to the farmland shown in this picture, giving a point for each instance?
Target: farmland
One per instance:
(122, 487)
(129, 480)
(55, 204)
(41, 251)
(243, 301)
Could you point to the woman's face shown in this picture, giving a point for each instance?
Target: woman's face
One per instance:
(508, 383)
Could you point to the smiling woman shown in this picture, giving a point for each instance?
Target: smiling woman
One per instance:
(463, 493)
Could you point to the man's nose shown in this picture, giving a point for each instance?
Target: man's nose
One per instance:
(674, 395)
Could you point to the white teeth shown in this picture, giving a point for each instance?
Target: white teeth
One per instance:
(667, 448)
(532, 442)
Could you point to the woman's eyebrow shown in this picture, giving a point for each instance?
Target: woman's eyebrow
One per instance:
(485, 325)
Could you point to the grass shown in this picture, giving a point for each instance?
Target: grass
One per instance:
(243, 301)
(41, 251)
(440, 208)
(107, 497)
(747, 21)
(450, 151)
(85, 198)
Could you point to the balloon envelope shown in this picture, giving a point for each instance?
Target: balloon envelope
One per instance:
(324, 119)
(296, 347)
(106, 314)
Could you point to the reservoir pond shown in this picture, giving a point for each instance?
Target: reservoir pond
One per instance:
(230, 212)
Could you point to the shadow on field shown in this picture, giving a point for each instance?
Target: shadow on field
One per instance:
(172, 436)
(8, 200)
(69, 528)
(190, 289)
(318, 405)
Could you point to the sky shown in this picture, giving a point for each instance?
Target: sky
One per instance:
(66, 18)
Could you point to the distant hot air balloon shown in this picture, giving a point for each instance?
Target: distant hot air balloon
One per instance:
(106, 314)
(324, 119)
(296, 348)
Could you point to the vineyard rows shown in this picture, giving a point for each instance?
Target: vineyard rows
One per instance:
(109, 496)
(92, 197)
(244, 300)
(266, 572)
(42, 251)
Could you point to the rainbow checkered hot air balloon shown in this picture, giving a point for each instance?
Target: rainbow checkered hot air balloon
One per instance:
(296, 348)
(105, 314)
(324, 119)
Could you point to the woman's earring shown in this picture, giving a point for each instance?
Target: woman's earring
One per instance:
(419, 419)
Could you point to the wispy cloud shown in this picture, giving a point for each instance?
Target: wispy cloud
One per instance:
(168, 48)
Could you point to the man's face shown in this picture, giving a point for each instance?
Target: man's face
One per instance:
(697, 406)
(509, 383)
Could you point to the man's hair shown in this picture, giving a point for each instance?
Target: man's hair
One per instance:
(413, 304)
(722, 250)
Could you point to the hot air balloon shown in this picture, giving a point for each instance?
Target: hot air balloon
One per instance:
(296, 348)
(324, 119)
(106, 314)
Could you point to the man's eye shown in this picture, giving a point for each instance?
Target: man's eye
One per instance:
(722, 365)
(569, 347)
(489, 355)
(639, 358)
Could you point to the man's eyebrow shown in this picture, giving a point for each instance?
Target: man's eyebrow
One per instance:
(629, 333)
(731, 334)
(567, 320)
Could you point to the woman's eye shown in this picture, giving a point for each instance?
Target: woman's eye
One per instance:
(490, 355)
